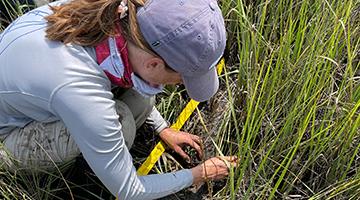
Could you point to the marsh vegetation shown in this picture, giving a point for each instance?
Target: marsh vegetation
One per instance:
(288, 107)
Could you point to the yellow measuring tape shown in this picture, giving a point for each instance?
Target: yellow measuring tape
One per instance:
(161, 146)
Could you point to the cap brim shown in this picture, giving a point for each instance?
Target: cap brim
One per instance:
(204, 87)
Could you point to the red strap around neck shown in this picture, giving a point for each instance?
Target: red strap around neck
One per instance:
(103, 52)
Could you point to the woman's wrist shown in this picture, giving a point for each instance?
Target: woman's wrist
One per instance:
(162, 134)
(160, 128)
(198, 174)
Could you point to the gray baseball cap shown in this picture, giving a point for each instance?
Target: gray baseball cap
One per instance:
(190, 36)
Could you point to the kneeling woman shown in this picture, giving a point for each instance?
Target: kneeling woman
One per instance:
(57, 93)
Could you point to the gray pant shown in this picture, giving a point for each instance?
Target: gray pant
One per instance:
(39, 145)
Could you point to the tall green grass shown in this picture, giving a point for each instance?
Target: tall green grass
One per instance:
(293, 107)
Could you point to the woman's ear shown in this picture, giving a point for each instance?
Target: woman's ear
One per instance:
(155, 63)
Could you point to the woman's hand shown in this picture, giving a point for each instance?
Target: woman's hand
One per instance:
(176, 140)
(216, 169)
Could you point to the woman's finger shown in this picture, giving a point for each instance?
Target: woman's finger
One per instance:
(233, 161)
(196, 143)
(198, 150)
(196, 138)
(228, 158)
(179, 151)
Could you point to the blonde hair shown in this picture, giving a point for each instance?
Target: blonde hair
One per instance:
(89, 22)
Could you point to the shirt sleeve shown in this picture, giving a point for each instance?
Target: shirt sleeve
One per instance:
(156, 121)
(88, 111)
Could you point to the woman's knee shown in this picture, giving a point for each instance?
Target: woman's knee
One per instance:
(38, 146)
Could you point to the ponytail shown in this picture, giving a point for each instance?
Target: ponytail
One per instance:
(89, 22)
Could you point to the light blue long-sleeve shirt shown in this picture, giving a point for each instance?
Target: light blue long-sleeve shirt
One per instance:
(47, 81)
